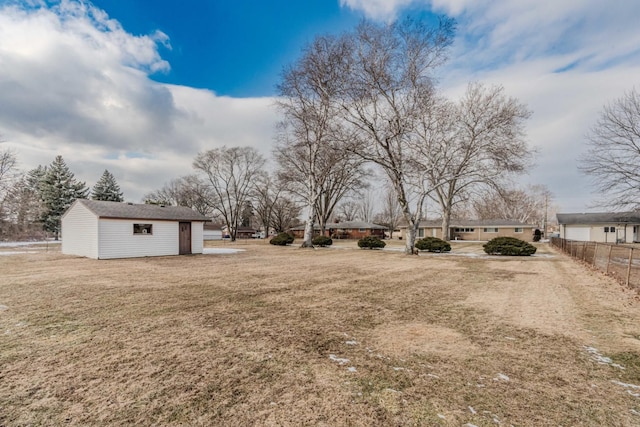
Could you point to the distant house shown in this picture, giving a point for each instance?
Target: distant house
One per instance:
(212, 231)
(480, 230)
(242, 232)
(103, 230)
(344, 230)
(606, 227)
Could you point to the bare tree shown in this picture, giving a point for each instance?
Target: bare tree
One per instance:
(229, 174)
(528, 205)
(366, 206)
(189, 190)
(612, 159)
(266, 193)
(386, 84)
(348, 210)
(391, 213)
(317, 171)
(478, 142)
(285, 214)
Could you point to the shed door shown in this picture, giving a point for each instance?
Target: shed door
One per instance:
(185, 238)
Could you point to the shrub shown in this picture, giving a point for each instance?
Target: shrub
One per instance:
(322, 241)
(371, 242)
(282, 239)
(509, 246)
(433, 244)
(537, 235)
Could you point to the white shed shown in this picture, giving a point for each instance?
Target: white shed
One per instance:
(104, 230)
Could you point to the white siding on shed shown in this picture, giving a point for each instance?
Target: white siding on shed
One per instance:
(118, 241)
(197, 237)
(80, 232)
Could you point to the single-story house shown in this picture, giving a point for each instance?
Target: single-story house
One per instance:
(212, 231)
(344, 230)
(104, 230)
(479, 230)
(606, 227)
(243, 232)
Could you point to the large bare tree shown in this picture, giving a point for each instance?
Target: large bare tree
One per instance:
(477, 142)
(306, 150)
(391, 213)
(230, 174)
(529, 205)
(612, 158)
(189, 190)
(386, 84)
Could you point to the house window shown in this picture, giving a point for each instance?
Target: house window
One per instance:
(609, 229)
(362, 230)
(465, 230)
(518, 229)
(420, 232)
(491, 230)
(142, 228)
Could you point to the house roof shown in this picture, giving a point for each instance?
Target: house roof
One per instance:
(119, 210)
(598, 218)
(475, 223)
(345, 225)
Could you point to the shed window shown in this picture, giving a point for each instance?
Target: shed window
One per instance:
(142, 228)
(518, 229)
(491, 230)
(609, 229)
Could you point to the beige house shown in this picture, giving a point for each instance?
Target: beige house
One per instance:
(103, 230)
(605, 227)
(479, 230)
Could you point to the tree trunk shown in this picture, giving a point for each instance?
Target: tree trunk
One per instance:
(412, 232)
(446, 220)
(308, 228)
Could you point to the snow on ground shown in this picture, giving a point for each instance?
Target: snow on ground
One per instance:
(18, 244)
(220, 251)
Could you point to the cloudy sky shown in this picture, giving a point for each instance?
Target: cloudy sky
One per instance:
(139, 87)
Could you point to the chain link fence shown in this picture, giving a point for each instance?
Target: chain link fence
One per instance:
(620, 261)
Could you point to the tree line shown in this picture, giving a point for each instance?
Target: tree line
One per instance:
(34, 201)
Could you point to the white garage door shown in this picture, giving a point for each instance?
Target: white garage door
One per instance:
(577, 233)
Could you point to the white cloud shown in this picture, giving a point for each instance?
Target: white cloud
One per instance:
(74, 83)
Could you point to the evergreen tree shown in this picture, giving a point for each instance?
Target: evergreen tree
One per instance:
(59, 189)
(107, 189)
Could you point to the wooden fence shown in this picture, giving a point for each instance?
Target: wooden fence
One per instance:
(619, 261)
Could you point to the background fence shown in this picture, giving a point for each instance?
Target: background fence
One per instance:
(619, 261)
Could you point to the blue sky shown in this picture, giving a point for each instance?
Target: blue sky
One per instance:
(140, 87)
(235, 48)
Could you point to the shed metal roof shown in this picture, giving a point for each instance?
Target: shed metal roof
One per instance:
(119, 210)
(599, 218)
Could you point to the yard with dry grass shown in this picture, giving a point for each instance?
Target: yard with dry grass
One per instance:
(341, 336)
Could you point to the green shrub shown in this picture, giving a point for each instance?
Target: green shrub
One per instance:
(371, 242)
(433, 244)
(282, 239)
(322, 241)
(509, 246)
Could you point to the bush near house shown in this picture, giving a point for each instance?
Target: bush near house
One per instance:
(509, 246)
(433, 244)
(537, 235)
(371, 242)
(282, 239)
(322, 241)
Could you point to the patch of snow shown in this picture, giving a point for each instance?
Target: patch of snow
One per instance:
(220, 251)
(603, 360)
(625, 385)
(392, 390)
(433, 376)
(17, 244)
(3, 307)
(6, 253)
(352, 342)
(351, 369)
(509, 338)
(634, 412)
(473, 411)
(442, 417)
(398, 368)
(501, 377)
(470, 425)
(338, 360)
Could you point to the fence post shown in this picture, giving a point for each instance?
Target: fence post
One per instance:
(629, 266)
(595, 254)
(609, 259)
(584, 251)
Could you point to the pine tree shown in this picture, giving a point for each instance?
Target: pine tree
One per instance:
(59, 189)
(107, 189)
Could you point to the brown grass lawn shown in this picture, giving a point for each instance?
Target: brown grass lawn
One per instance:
(285, 336)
